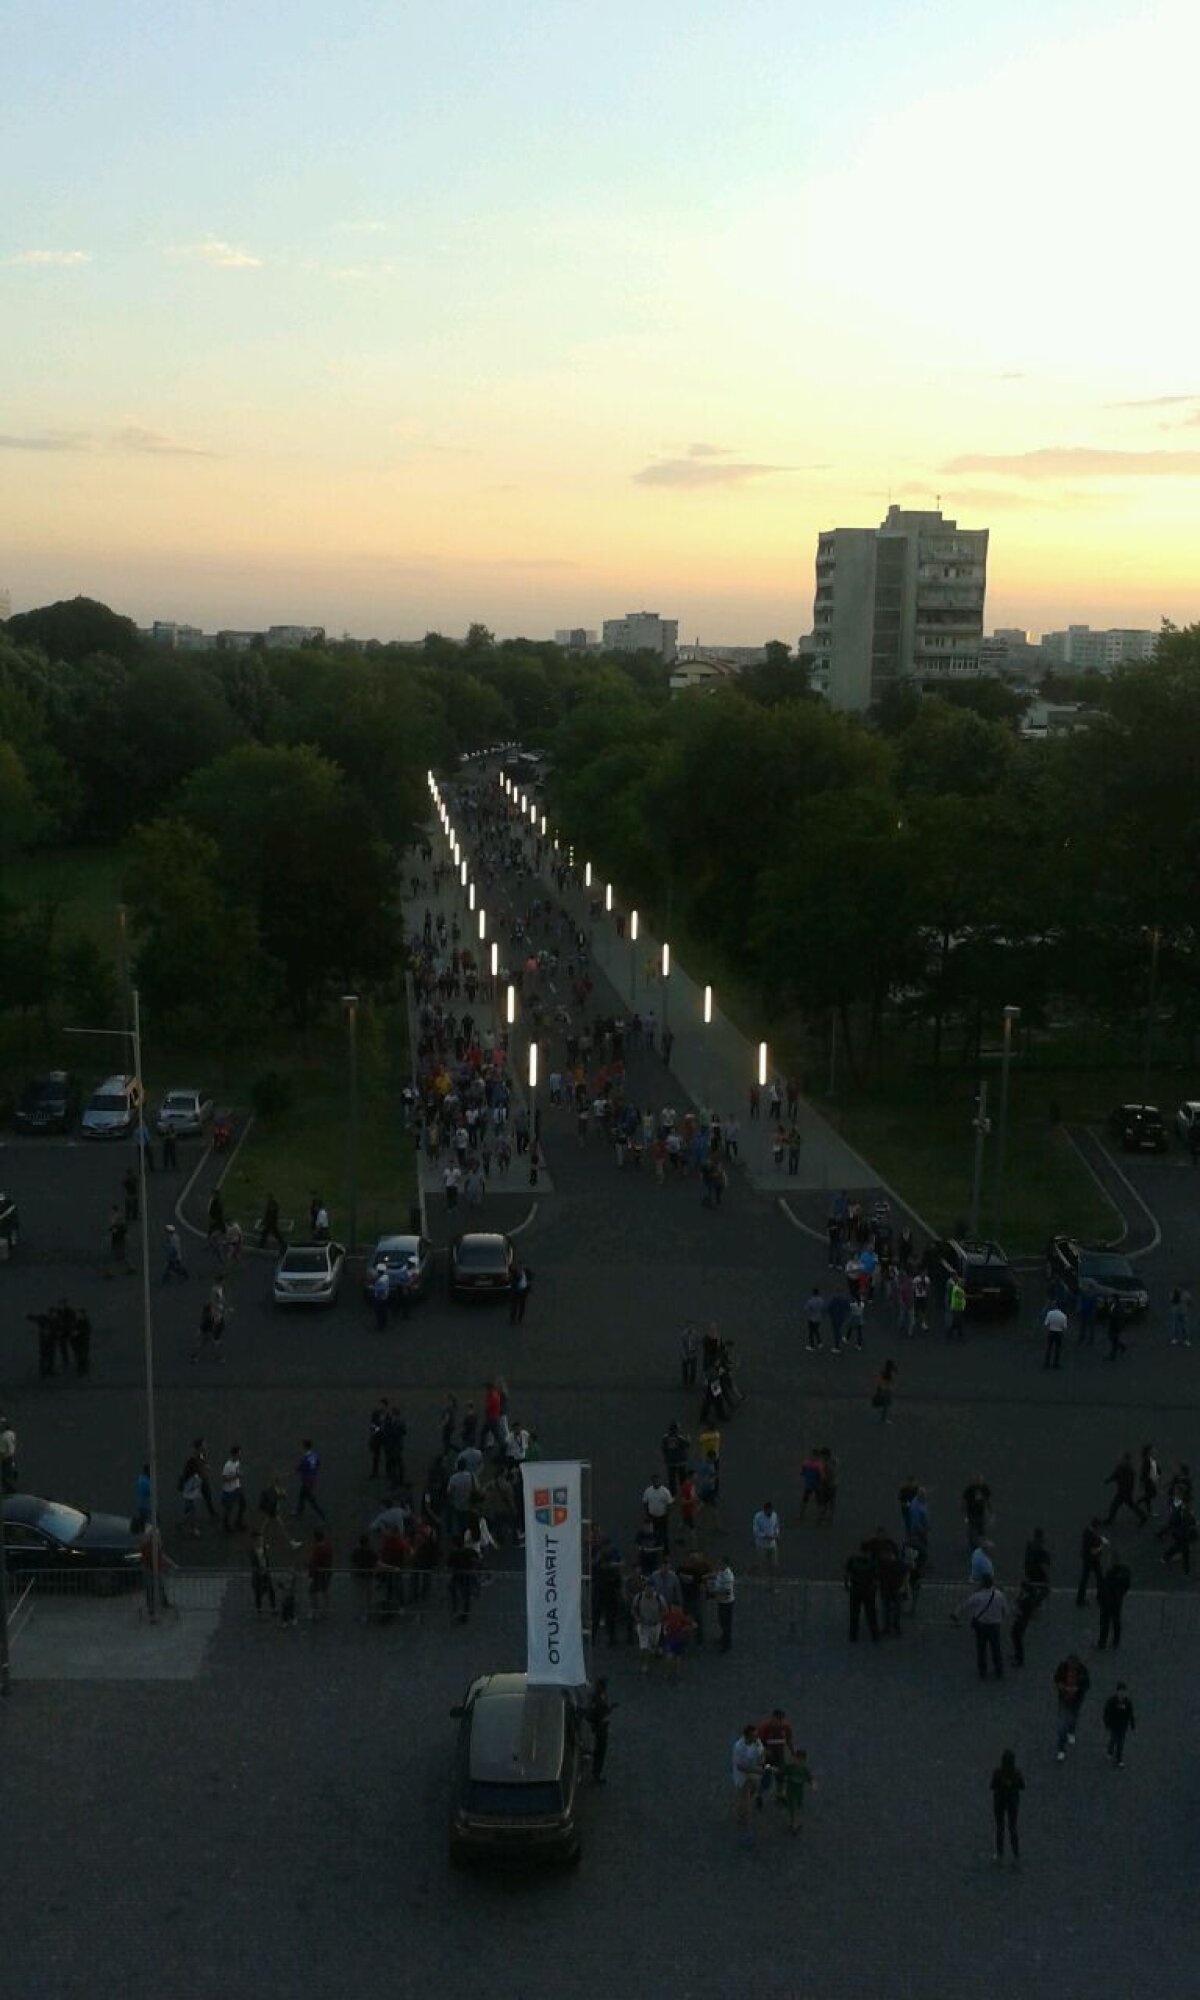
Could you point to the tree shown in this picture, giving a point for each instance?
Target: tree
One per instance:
(76, 627)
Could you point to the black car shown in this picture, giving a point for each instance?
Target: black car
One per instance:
(982, 1269)
(516, 1773)
(481, 1265)
(1105, 1274)
(49, 1104)
(1138, 1127)
(64, 1542)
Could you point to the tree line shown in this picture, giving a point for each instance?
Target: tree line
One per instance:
(263, 800)
(926, 865)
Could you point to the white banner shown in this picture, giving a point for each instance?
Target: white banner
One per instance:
(554, 1573)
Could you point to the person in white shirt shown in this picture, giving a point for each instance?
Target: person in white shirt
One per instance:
(721, 1590)
(1054, 1326)
(749, 1759)
(766, 1530)
(657, 1501)
(233, 1499)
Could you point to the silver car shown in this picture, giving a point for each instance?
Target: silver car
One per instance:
(410, 1252)
(309, 1274)
(112, 1110)
(184, 1112)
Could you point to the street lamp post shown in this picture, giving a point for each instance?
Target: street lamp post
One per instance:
(633, 940)
(134, 1035)
(1151, 997)
(708, 1013)
(1011, 1014)
(983, 1126)
(666, 986)
(533, 1114)
(762, 1084)
(350, 1003)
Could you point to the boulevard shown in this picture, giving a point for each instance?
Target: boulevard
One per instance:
(278, 1812)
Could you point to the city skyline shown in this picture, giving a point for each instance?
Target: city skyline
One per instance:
(398, 320)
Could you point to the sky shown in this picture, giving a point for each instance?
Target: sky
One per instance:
(391, 316)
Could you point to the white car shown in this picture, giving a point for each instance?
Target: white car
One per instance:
(1187, 1116)
(112, 1109)
(184, 1112)
(309, 1274)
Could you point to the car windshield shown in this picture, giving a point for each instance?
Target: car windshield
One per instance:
(179, 1100)
(108, 1100)
(482, 1255)
(63, 1524)
(506, 1801)
(306, 1261)
(1097, 1264)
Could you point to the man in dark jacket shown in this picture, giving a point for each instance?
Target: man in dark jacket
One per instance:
(1113, 1587)
(1092, 1546)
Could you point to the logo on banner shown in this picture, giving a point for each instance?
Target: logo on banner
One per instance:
(550, 1505)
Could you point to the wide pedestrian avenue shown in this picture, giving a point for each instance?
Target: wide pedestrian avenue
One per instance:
(218, 1801)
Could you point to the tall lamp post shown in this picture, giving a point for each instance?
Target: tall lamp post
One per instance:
(350, 1003)
(762, 1084)
(1011, 1014)
(533, 1113)
(707, 1039)
(666, 985)
(1151, 997)
(134, 1035)
(633, 939)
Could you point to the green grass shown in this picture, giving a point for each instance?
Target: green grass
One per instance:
(307, 1148)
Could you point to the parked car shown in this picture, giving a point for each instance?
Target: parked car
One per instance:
(481, 1263)
(1138, 1127)
(983, 1271)
(309, 1274)
(49, 1104)
(411, 1252)
(1187, 1119)
(516, 1773)
(184, 1112)
(65, 1541)
(112, 1110)
(1104, 1273)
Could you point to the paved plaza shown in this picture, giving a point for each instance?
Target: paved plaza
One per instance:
(219, 1802)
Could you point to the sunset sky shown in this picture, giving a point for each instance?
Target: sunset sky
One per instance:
(386, 315)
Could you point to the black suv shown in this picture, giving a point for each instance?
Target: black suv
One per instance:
(1139, 1127)
(983, 1271)
(1104, 1273)
(49, 1104)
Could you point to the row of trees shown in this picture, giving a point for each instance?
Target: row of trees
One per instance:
(928, 864)
(263, 797)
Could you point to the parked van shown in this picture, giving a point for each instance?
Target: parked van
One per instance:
(112, 1110)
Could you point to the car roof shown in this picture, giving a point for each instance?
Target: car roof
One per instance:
(23, 1507)
(1141, 1109)
(113, 1083)
(516, 1730)
(482, 1236)
(184, 1090)
(402, 1245)
(50, 1076)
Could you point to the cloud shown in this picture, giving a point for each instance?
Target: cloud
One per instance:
(134, 438)
(223, 256)
(696, 472)
(1080, 462)
(708, 451)
(48, 441)
(1154, 402)
(60, 258)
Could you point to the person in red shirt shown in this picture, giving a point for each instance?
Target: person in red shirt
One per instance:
(395, 1555)
(490, 1434)
(775, 1735)
(677, 1629)
(686, 1495)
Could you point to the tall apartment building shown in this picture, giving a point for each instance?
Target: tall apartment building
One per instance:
(642, 632)
(1080, 648)
(5, 602)
(576, 638)
(903, 601)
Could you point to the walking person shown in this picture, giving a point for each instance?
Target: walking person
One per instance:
(1149, 1480)
(885, 1391)
(175, 1266)
(988, 1608)
(1007, 1786)
(1181, 1317)
(518, 1299)
(216, 1225)
(268, 1229)
(261, 1581)
(814, 1314)
(1093, 1544)
(766, 1529)
(721, 1590)
(689, 1349)
(233, 1497)
(596, 1715)
(1116, 1326)
(1071, 1683)
(155, 1563)
(1122, 1479)
(792, 1782)
(307, 1468)
(1119, 1719)
(748, 1761)
(1054, 1326)
(1114, 1588)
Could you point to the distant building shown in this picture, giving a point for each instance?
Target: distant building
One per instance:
(1080, 648)
(702, 672)
(733, 656)
(903, 601)
(5, 602)
(178, 638)
(642, 632)
(1062, 718)
(278, 636)
(238, 642)
(576, 638)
